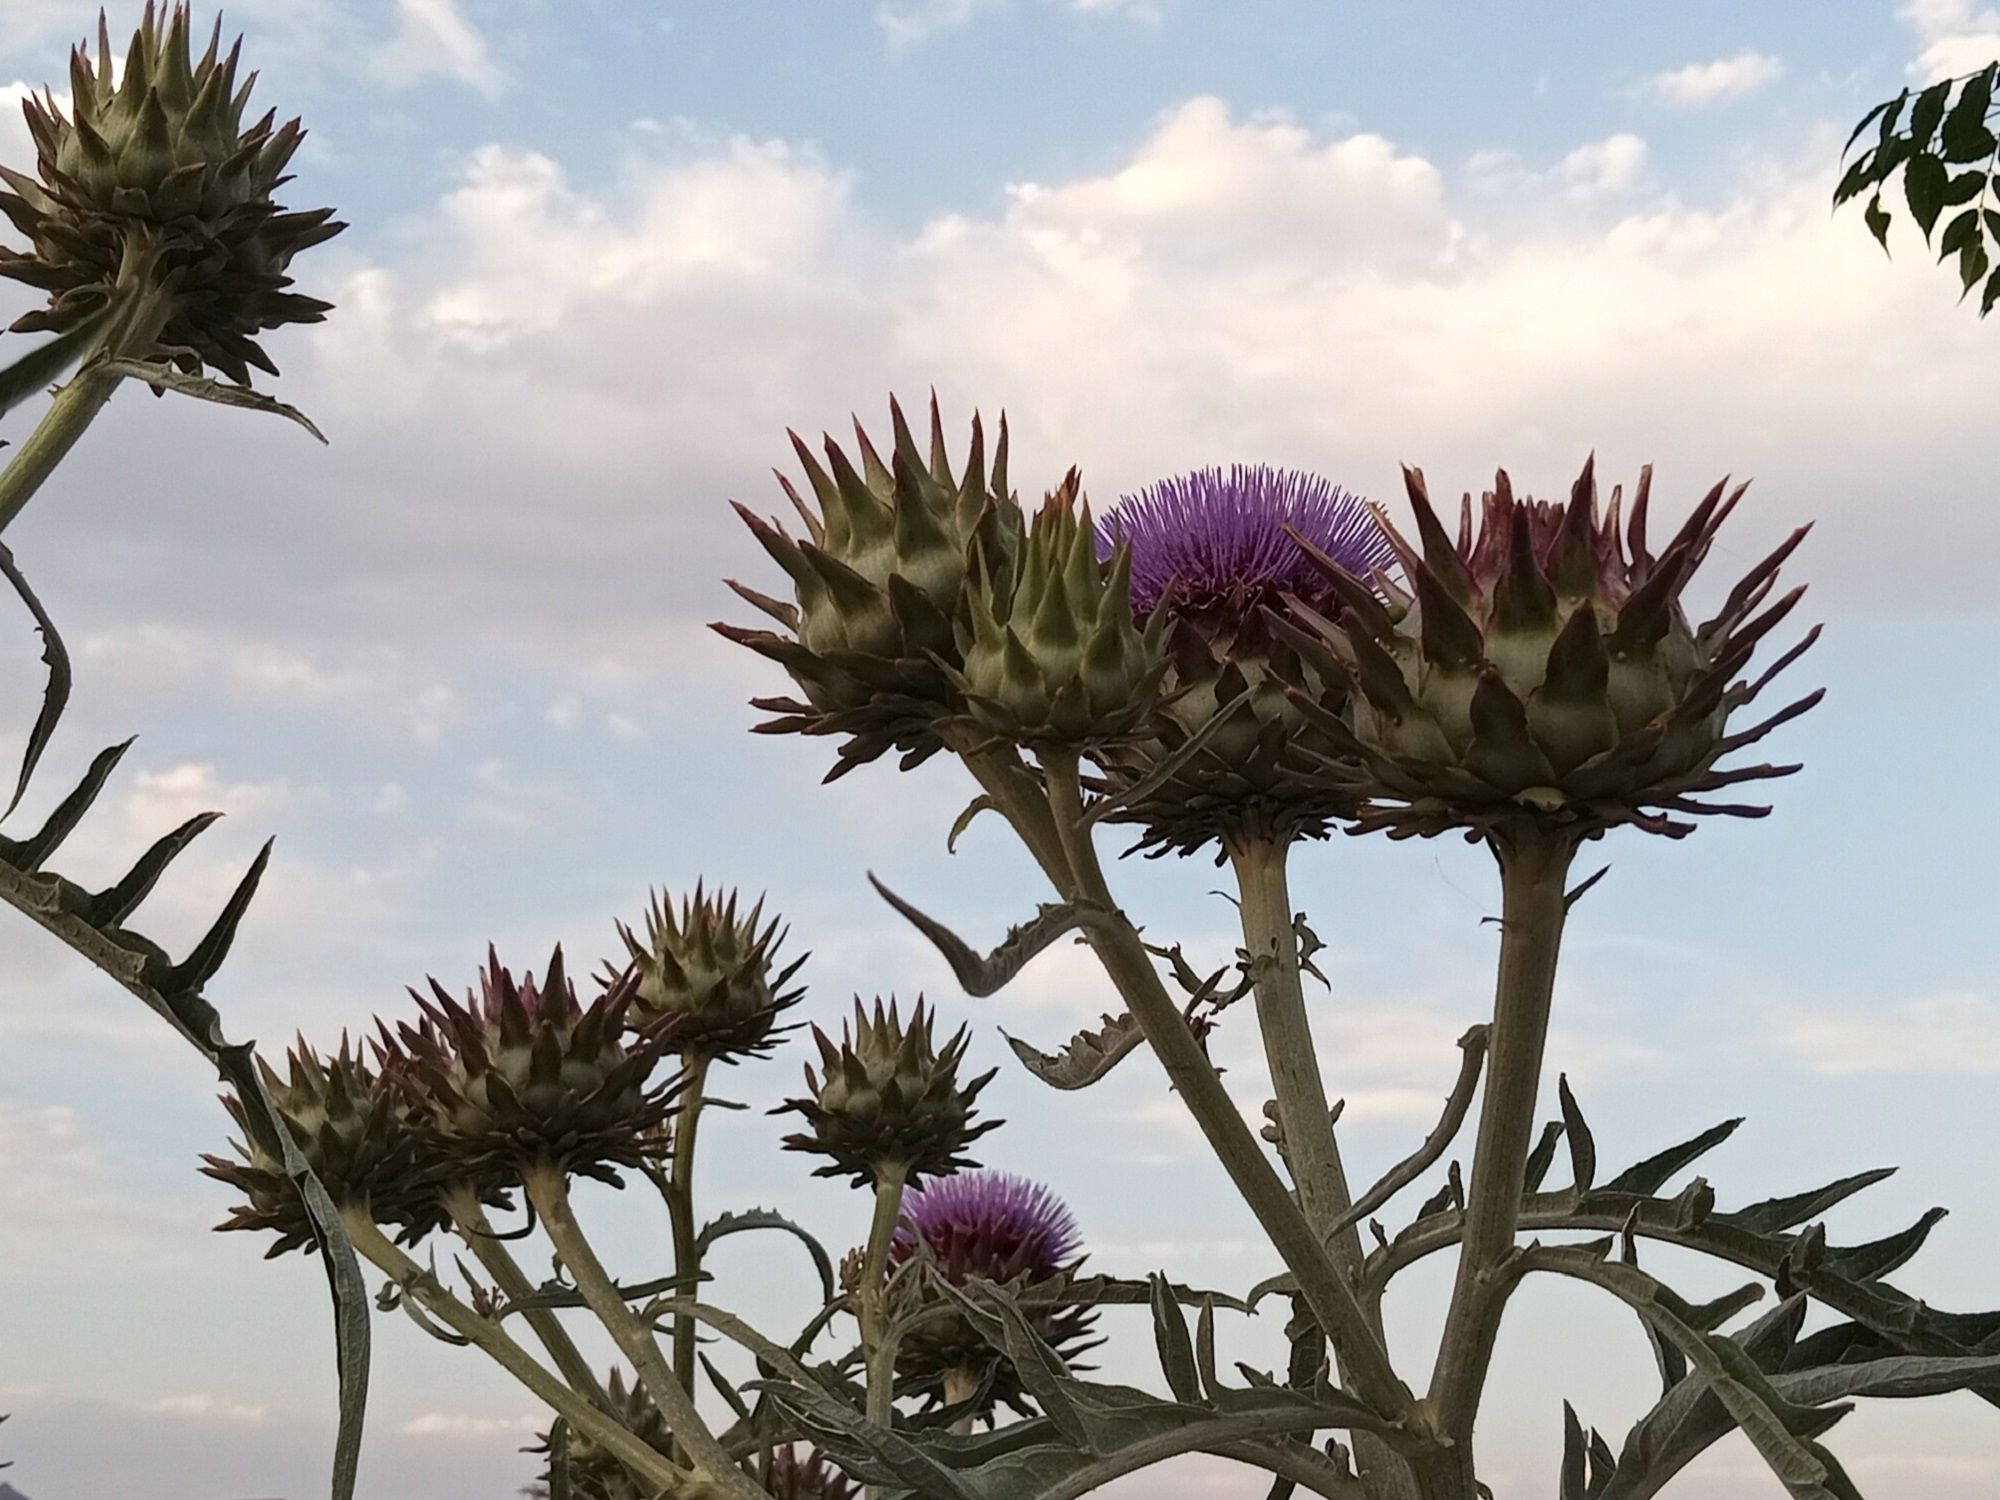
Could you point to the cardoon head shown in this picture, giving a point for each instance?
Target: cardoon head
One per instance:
(1216, 553)
(986, 1226)
(805, 1474)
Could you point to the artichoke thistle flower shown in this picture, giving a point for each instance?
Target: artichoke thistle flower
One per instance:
(353, 1126)
(879, 583)
(524, 1074)
(593, 1473)
(154, 177)
(1053, 655)
(805, 1474)
(989, 1226)
(889, 1096)
(1213, 552)
(1543, 667)
(705, 976)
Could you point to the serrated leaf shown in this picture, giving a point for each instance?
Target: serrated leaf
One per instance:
(1924, 183)
(1859, 175)
(1866, 120)
(1964, 188)
(985, 976)
(1086, 1057)
(1966, 137)
(746, 1220)
(1876, 217)
(1991, 295)
(1774, 1215)
(1973, 263)
(1927, 114)
(1960, 232)
(55, 695)
(164, 377)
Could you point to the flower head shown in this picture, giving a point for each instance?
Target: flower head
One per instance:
(1220, 540)
(805, 1474)
(707, 974)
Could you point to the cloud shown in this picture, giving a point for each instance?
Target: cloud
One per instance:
(203, 1406)
(1953, 37)
(1948, 1034)
(908, 22)
(1726, 78)
(458, 1427)
(434, 39)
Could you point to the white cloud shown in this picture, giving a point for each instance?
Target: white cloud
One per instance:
(433, 38)
(1948, 1034)
(203, 1406)
(908, 22)
(1612, 165)
(1953, 37)
(458, 1427)
(1733, 77)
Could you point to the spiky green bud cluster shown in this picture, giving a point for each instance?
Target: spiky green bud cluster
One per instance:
(157, 176)
(525, 1075)
(1540, 671)
(706, 975)
(879, 582)
(1053, 655)
(592, 1473)
(798, 1473)
(352, 1125)
(887, 1094)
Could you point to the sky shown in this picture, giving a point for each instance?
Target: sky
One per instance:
(605, 252)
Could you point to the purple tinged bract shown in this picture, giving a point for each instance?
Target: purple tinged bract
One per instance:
(1220, 539)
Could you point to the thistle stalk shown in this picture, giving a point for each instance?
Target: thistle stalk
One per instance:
(1118, 947)
(469, 1218)
(548, 1190)
(572, 1406)
(680, 1209)
(143, 310)
(1534, 868)
(878, 1340)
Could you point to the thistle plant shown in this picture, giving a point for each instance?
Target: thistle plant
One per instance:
(1231, 663)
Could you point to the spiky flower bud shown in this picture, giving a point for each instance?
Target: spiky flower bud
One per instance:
(157, 174)
(1214, 553)
(524, 1074)
(594, 1474)
(989, 1226)
(353, 1127)
(799, 1473)
(706, 976)
(879, 582)
(1053, 655)
(889, 1095)
(1540, 670)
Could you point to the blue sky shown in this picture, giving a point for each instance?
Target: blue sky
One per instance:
(605, 252)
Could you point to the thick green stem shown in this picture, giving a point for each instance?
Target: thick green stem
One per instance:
(680, 1208)
(1312, 1154)
(878, 1341)
(133, 332)
(1534, 868)
(469, 1218)
(548, 1190)
(572, 1406)
(1118, 946)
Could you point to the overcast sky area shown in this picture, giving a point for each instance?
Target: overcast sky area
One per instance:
(604, 252)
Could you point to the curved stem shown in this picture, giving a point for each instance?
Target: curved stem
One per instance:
(1124, 956)
(572, 1406)
(878, 1339)
(469, 1218)
(1533, 871)
(548, 1190)
(133, 332)
(680, 1209)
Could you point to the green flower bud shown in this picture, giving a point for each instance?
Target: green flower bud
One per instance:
(704, 975)
(157, 171)
(1053, 656)
(888, 1095)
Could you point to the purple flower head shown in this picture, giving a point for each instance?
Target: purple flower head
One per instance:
(988, 1224)
(1217, 538)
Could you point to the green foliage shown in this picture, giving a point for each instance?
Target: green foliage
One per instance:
(1946, 153)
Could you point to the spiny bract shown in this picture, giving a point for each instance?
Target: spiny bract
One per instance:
(706, 975)
(1053, 655)
(525, 1075)
(879, 582)
(154, 174)
(1543, 671)
(889, 1095)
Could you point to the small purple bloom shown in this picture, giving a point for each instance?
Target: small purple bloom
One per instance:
(1217, 538)
(988, 1224)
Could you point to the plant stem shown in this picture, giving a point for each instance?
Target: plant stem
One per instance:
(548, 1190)
(878, 1340)
(680, 1208)
(646, 1462)
(1312, 1153)
(469, 1218)
(959, 1385)
(1534, 867)
(1118, 946)
(133, 332)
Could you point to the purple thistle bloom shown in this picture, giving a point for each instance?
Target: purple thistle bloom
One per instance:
(988, 1224)
(1217, 538)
